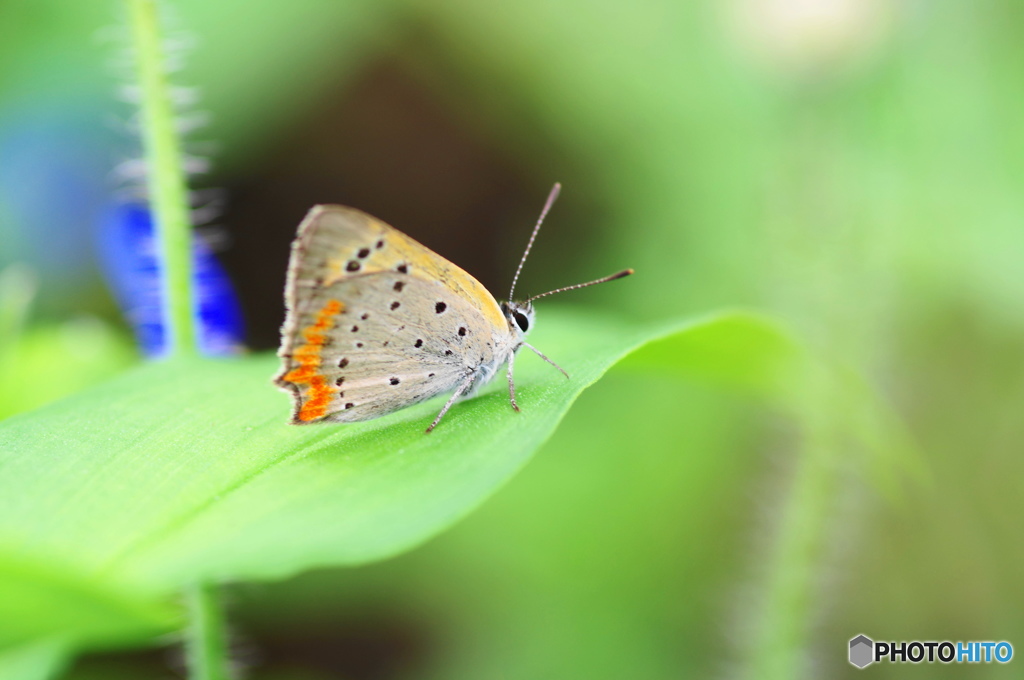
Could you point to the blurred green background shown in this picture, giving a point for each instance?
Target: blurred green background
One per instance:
(854, 167)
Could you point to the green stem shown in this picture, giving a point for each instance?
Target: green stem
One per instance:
(205, 645)
(793, 580)
(168, 189)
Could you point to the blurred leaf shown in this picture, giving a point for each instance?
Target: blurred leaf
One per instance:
(17, 288)
(893, 457)
(756, 354)
(47, 362)
(37, 661)
(39, 364)
(51, 600)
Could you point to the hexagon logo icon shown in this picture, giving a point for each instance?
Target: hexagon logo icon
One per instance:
(862, 651)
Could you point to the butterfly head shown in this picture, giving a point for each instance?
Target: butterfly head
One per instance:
(519, 315)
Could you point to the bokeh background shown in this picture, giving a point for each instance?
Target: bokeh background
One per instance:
(853, 167)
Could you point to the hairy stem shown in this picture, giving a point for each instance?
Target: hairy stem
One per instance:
(793, 577)
(168, 189)
(205, 643)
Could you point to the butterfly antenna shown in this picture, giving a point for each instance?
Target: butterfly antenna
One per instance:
(618, 275)
(543, 213)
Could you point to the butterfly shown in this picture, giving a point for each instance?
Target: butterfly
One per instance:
(377, 322)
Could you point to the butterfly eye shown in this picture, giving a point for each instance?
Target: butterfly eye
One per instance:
(521, 321)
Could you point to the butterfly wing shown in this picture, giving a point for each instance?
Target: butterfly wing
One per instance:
(377, 321)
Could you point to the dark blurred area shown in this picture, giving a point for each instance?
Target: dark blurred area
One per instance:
(382, 136)
(853, 167)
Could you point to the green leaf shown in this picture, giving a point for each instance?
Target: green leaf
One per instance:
(42, 599)
(89, 349)
(40, 660)
(90, 352)
(186, 471)
(746, 352)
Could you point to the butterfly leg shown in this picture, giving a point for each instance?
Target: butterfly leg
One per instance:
(511, 382)
(458, 393)
(541, 355)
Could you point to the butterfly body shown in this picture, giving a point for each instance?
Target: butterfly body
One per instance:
(377, 322)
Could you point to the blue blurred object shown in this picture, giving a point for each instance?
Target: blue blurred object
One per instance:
(53, 183)
(128, 254)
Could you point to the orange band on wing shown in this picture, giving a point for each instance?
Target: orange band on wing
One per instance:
(319, 394)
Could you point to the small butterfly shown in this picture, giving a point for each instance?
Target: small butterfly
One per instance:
(377, 322)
